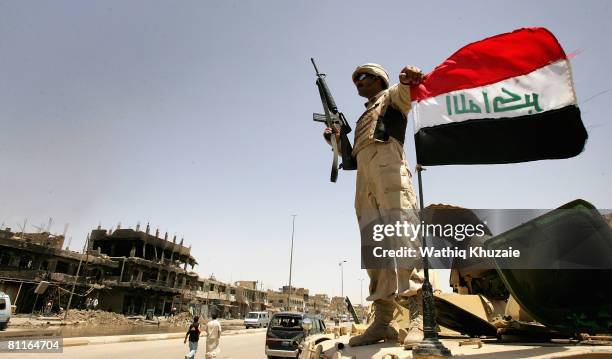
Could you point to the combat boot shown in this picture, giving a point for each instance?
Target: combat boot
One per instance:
(380, 329)
(414, 334)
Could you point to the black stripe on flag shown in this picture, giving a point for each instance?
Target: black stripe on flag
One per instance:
(549, 135)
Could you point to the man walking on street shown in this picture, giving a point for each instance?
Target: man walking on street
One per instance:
(384, 195)
(194, 336)
(213, 333)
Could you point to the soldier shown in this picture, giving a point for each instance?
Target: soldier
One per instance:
(384, 194)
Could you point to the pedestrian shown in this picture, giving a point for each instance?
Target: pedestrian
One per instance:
(193, 333)
(94, 303)
(384, 195)
(213, 333)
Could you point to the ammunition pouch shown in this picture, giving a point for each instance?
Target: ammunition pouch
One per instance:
(391, 124)
(349, 162)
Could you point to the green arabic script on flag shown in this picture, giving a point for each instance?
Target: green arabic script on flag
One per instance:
(510, 102)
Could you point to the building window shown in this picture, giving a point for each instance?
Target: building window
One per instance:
(25, 262)
(5, 259)
(62, 267)
(44, 265)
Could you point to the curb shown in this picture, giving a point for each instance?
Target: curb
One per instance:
(36, 332)
(71, 342)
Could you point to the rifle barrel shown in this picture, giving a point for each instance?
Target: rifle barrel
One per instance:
(315, 66)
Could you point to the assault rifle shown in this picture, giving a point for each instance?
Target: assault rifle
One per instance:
(336, 121)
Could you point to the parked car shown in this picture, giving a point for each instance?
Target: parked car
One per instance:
(256, 320)
(288, 330)
(5, 310)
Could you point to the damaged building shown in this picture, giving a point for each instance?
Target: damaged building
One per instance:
(128, 271)
(36, 260)
(152, 273)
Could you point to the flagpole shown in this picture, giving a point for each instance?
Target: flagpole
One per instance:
(430, 346)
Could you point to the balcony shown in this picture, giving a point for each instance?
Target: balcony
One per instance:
(61, 277)
(112, 279)
(24, 274)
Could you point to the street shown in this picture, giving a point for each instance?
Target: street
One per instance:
(242, 346)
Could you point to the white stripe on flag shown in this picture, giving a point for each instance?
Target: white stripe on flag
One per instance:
(547, 88)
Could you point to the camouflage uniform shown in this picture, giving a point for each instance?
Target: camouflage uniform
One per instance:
(384, 191)
(384, 195)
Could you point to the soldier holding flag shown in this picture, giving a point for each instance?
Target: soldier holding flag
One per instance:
(384, 193)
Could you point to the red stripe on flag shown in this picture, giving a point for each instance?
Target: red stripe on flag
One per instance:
(491, 60)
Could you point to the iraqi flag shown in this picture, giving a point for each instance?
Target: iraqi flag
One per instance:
(508, 98)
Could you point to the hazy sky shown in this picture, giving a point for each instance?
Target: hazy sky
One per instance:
(196, 116)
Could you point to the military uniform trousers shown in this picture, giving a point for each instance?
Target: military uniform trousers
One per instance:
(384, 195)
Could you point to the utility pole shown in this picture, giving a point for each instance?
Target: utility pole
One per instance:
(207, 302)
(76, 278)
(25, 223)
(342, 278)
(291, 262)
(361, 291)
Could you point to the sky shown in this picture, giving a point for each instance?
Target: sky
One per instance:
(196, 117)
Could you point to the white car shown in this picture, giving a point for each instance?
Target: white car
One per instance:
(256, 320)
(5, 310)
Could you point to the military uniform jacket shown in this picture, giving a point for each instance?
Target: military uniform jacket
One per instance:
(385, 117)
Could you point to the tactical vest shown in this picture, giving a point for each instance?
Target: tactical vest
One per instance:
(378, 123)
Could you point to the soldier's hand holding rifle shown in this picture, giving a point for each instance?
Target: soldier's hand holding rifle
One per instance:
(327, 135)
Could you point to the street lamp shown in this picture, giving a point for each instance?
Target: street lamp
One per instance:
(291, 262)
(341, 278)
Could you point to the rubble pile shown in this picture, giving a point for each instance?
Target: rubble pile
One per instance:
(96, 317)
(23, 323)
(181, 319)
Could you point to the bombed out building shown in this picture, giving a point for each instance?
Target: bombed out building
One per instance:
(36, 260)
(129, 271)
(152, 273)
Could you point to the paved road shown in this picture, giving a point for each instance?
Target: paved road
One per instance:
(242, 346)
